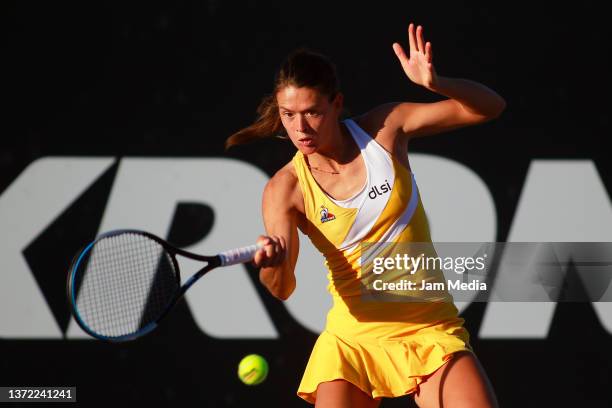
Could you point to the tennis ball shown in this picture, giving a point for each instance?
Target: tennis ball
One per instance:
(253, 369)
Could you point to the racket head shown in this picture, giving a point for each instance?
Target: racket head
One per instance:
(122, 284)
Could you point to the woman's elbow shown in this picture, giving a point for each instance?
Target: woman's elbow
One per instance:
(284, 295)
(279, 288)
(500, 107)
(494, 111)
(281, 293)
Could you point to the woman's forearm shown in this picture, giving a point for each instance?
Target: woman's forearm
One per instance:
(474, 96)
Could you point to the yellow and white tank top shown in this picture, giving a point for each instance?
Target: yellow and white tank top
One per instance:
(387, 209)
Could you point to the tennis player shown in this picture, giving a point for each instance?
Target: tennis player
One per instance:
(350, 182)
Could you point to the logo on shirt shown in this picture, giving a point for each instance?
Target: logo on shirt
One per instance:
(326, 215)
(379, 190)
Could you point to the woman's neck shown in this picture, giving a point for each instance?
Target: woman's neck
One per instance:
(340, 151)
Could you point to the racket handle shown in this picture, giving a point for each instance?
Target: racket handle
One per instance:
(238, 255)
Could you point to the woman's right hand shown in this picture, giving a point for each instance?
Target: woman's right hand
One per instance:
(272, 253)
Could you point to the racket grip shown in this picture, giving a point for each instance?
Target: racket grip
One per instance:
(238, 255)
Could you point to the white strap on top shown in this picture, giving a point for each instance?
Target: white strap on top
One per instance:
(380, 171)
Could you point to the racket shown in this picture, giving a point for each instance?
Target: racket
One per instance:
(125, 282)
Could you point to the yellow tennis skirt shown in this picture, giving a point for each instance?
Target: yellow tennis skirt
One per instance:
(385, 348)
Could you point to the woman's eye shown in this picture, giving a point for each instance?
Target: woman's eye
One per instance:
(288, 114)
(315, 114)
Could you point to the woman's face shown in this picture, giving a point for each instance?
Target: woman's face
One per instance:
(308, 116)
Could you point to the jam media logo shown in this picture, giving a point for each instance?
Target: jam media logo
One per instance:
(326, 215)
(379, 190)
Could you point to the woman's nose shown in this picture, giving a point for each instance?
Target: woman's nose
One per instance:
(300, 124)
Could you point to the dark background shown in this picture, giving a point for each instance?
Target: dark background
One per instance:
(175, 79)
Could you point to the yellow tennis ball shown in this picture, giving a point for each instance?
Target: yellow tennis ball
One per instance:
(253, 369)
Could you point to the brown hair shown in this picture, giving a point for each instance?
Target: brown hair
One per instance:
(301, 68)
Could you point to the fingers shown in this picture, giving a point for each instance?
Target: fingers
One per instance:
(419, 35)
(417, 42)
(272, 253)
(399, 51)
(411, 40)
(262, 240)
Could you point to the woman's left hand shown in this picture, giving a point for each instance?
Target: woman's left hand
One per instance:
(418, 67)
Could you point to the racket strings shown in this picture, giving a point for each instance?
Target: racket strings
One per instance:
(124, 284)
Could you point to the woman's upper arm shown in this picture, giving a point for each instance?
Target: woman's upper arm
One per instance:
(280, 214)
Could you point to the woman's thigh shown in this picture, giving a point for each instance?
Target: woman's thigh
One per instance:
(343, 394)
(461, 382)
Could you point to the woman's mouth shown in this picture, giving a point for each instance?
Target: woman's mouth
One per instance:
(306, 141)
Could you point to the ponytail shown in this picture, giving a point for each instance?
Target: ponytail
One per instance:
(268, 124)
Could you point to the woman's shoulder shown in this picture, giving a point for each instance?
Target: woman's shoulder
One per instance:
(381, 124)
(286, 176)
(380, 120)
(283, 187)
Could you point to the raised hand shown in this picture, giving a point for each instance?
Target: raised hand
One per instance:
(418, 66)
